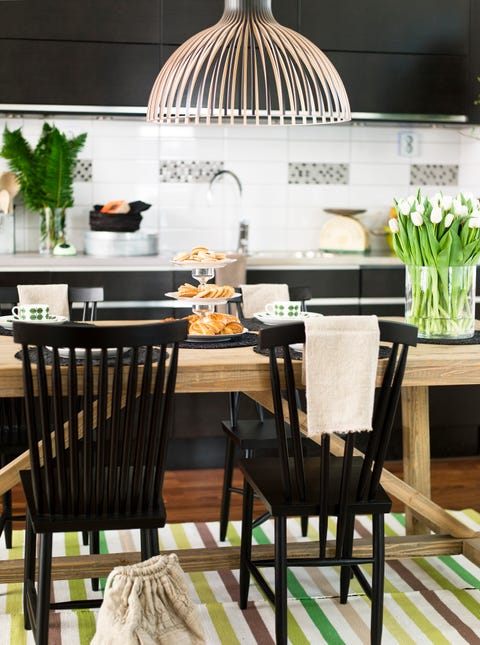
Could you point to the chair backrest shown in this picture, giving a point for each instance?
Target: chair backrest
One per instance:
(88, 296)
(295, 293)
(109, 411)
(8, 298)
(398, 337)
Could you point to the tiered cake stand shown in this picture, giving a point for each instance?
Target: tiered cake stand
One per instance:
(203, 272)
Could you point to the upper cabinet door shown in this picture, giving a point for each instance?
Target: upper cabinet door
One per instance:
(181, 19)
(404, 26)
(78, 73)
(121, 21)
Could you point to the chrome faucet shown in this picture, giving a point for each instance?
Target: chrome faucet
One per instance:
(242, 245)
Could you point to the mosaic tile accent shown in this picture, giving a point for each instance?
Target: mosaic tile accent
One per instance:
(318, 173)
(433, 174)
(188, 172)
(83, 170)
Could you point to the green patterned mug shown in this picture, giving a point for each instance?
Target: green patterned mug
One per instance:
(31, 313)
(284, 308)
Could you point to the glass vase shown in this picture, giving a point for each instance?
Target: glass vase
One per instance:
(52, 229)
(441, 301)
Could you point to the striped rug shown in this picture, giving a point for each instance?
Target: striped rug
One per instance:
(432, 600)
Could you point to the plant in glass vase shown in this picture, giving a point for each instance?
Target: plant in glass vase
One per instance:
(45, 174)
(438, 239)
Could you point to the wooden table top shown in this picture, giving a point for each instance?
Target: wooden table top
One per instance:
(242, 369)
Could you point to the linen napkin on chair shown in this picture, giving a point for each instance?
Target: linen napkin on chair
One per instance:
(256, 296)
(340, 367)
(53, 295)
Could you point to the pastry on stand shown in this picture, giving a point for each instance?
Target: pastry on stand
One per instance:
(204, 298)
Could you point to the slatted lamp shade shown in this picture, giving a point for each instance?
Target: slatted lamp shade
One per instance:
(248, 69)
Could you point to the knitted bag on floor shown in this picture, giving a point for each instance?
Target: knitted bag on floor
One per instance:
(148, 604)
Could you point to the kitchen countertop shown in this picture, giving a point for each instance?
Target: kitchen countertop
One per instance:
(261, 259)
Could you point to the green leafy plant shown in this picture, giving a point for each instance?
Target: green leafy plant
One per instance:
(45, 172)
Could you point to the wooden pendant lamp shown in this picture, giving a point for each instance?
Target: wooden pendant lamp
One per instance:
(248, 69)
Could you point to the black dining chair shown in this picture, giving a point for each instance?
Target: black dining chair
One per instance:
(102, 468)
(246, 436)
(291, 484)
(13, 435)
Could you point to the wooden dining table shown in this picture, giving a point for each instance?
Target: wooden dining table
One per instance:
(431, 529)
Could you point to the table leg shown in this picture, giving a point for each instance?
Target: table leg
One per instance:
(416, 448)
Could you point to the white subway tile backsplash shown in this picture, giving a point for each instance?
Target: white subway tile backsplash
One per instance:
(125, 171)
(319, 151)
(249, 149)
(367, 134)
(306, 218)
(125, 148)
(125, 157)
(254, 132)
(438, 153)
(375, 174)
(375, 151)
(260, 172)
(265, 217)
(469, 174)
(320, 133)
(192, 149)
(318, 195)
(266, 195)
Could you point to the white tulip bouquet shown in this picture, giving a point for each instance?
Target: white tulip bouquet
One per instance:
(438, 238)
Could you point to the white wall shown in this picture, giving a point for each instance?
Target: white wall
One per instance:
(126, 157)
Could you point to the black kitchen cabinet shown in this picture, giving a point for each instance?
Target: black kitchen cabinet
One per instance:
(417, 58)
(407, 27)
(77, 73)
(328, 285)
(324, 283)
(410, 57)
(112, 21)
(389, 83)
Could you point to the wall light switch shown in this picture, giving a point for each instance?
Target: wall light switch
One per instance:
(407, 143)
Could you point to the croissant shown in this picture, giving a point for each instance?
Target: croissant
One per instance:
(200, 328)
(232, 328)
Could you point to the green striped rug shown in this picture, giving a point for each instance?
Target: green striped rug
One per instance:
(434, 600)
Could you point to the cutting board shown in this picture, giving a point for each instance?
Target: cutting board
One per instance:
(343, 234)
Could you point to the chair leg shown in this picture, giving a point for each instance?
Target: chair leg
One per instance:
(43, 598)
(226, 490)
(378, 578)
(143, 544)
(246, 544)
(93, 539)
(7, 509)
(85, 538)
(147, 546)
(304, 525)
(281, 581)
(154, 542)
(28, 571)
(346, 572)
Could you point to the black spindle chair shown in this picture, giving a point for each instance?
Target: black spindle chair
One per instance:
(13, 434)
(342, 486)
(247, 436)
(103, 468)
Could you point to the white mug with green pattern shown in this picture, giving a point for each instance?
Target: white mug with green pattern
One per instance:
(32, 313)
(284, 308)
